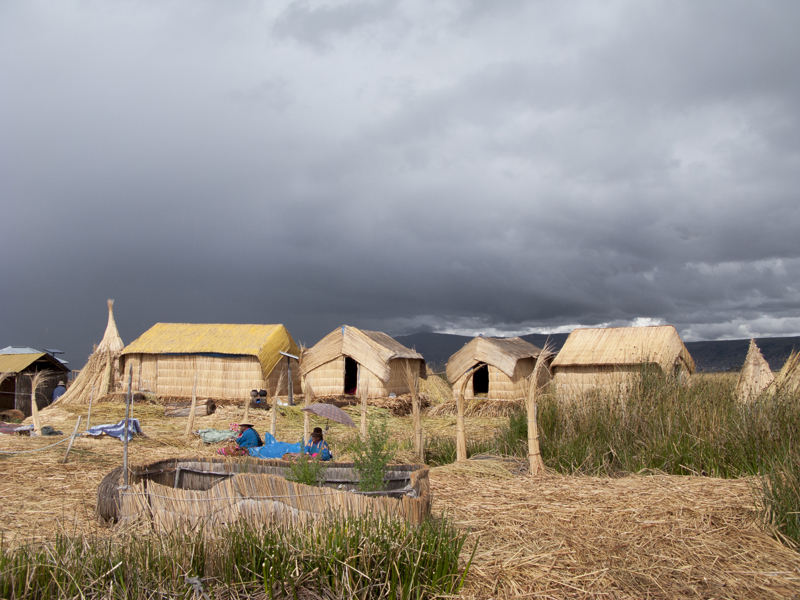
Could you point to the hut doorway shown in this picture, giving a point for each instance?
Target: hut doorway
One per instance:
(350, 376)
(480, 381)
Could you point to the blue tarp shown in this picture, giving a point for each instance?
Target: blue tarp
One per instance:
(117, 430)
(274, 450)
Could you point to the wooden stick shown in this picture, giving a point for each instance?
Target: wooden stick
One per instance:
(190, 422)
(308, 398)
(362, 390)
(72, 439)
(126, 429)
(274, 422)
(89, 416)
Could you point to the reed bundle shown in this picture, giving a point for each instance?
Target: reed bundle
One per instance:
(755, 375)
(101, 371)
(788, 380)
(436, 389)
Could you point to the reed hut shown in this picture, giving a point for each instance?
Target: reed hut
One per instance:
(101, 373)
(17, 366)
(499, 366)
(229, 360)
(755, 376)
(349, 359)
(608, 359)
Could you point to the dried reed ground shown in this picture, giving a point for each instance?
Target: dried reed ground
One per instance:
(551, 537)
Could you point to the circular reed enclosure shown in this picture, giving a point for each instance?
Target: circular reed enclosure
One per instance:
(192, 492)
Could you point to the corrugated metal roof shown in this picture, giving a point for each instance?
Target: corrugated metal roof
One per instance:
(14, 363)
(19, 350)
(658, 344)
(262, 341)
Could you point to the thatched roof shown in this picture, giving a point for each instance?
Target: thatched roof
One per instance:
(755, 376)
(265, 342)
(373, 349)
(16, 360)
(613, 346)
(502, 353)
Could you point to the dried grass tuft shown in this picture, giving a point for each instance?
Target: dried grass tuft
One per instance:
(478, 407)
(634, 537)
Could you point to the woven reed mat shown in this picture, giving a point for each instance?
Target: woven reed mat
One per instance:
(634, 537)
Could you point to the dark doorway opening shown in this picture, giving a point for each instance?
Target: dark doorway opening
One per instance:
(350, 376)
(480, 381)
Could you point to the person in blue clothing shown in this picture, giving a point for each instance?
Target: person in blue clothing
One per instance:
(248, 438)
(59, 391)
(317, 447)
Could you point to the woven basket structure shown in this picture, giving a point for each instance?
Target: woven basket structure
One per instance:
(208, 492)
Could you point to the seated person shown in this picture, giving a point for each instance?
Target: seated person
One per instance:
(248, 438)
(317, 447)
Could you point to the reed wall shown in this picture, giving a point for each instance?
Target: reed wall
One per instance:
(577, 381)
(262, 497)
(217, 377)
(501, 386)
(328, 378)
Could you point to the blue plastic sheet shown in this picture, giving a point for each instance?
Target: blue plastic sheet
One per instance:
(274, 450)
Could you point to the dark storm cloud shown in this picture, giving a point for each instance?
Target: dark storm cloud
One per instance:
(493, 167)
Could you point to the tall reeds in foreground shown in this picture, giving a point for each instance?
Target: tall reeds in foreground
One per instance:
(336, 559)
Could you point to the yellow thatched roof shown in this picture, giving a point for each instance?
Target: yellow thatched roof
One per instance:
(14, 363)
(502, 353)
(373, 349)
(262, 341)
(659, 345)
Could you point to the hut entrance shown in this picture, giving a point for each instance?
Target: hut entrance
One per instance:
(480, 381)
(350, 376)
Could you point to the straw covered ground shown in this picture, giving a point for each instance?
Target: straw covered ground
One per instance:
(554, 536)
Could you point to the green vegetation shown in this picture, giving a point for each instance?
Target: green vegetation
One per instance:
(661, 425)
(307, 470)
(358, 558)
(371, 456)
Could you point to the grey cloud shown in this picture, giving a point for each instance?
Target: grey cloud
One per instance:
(431, 166)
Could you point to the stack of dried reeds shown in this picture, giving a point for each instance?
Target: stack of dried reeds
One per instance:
(436, 389)
(97, 378)
(755, 376)
(788, 380)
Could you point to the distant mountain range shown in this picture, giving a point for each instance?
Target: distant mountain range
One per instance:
(723, 355)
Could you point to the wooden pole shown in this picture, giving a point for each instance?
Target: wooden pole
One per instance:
(412, 380)
(89, 416)
(308, 398)
(362, 390)
(291, 388)
(461, 436)
(72, 439)
(274, 423)
(126, 429)
(190, 421)
(37, 423)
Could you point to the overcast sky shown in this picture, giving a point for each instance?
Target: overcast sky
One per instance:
(495, 167)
